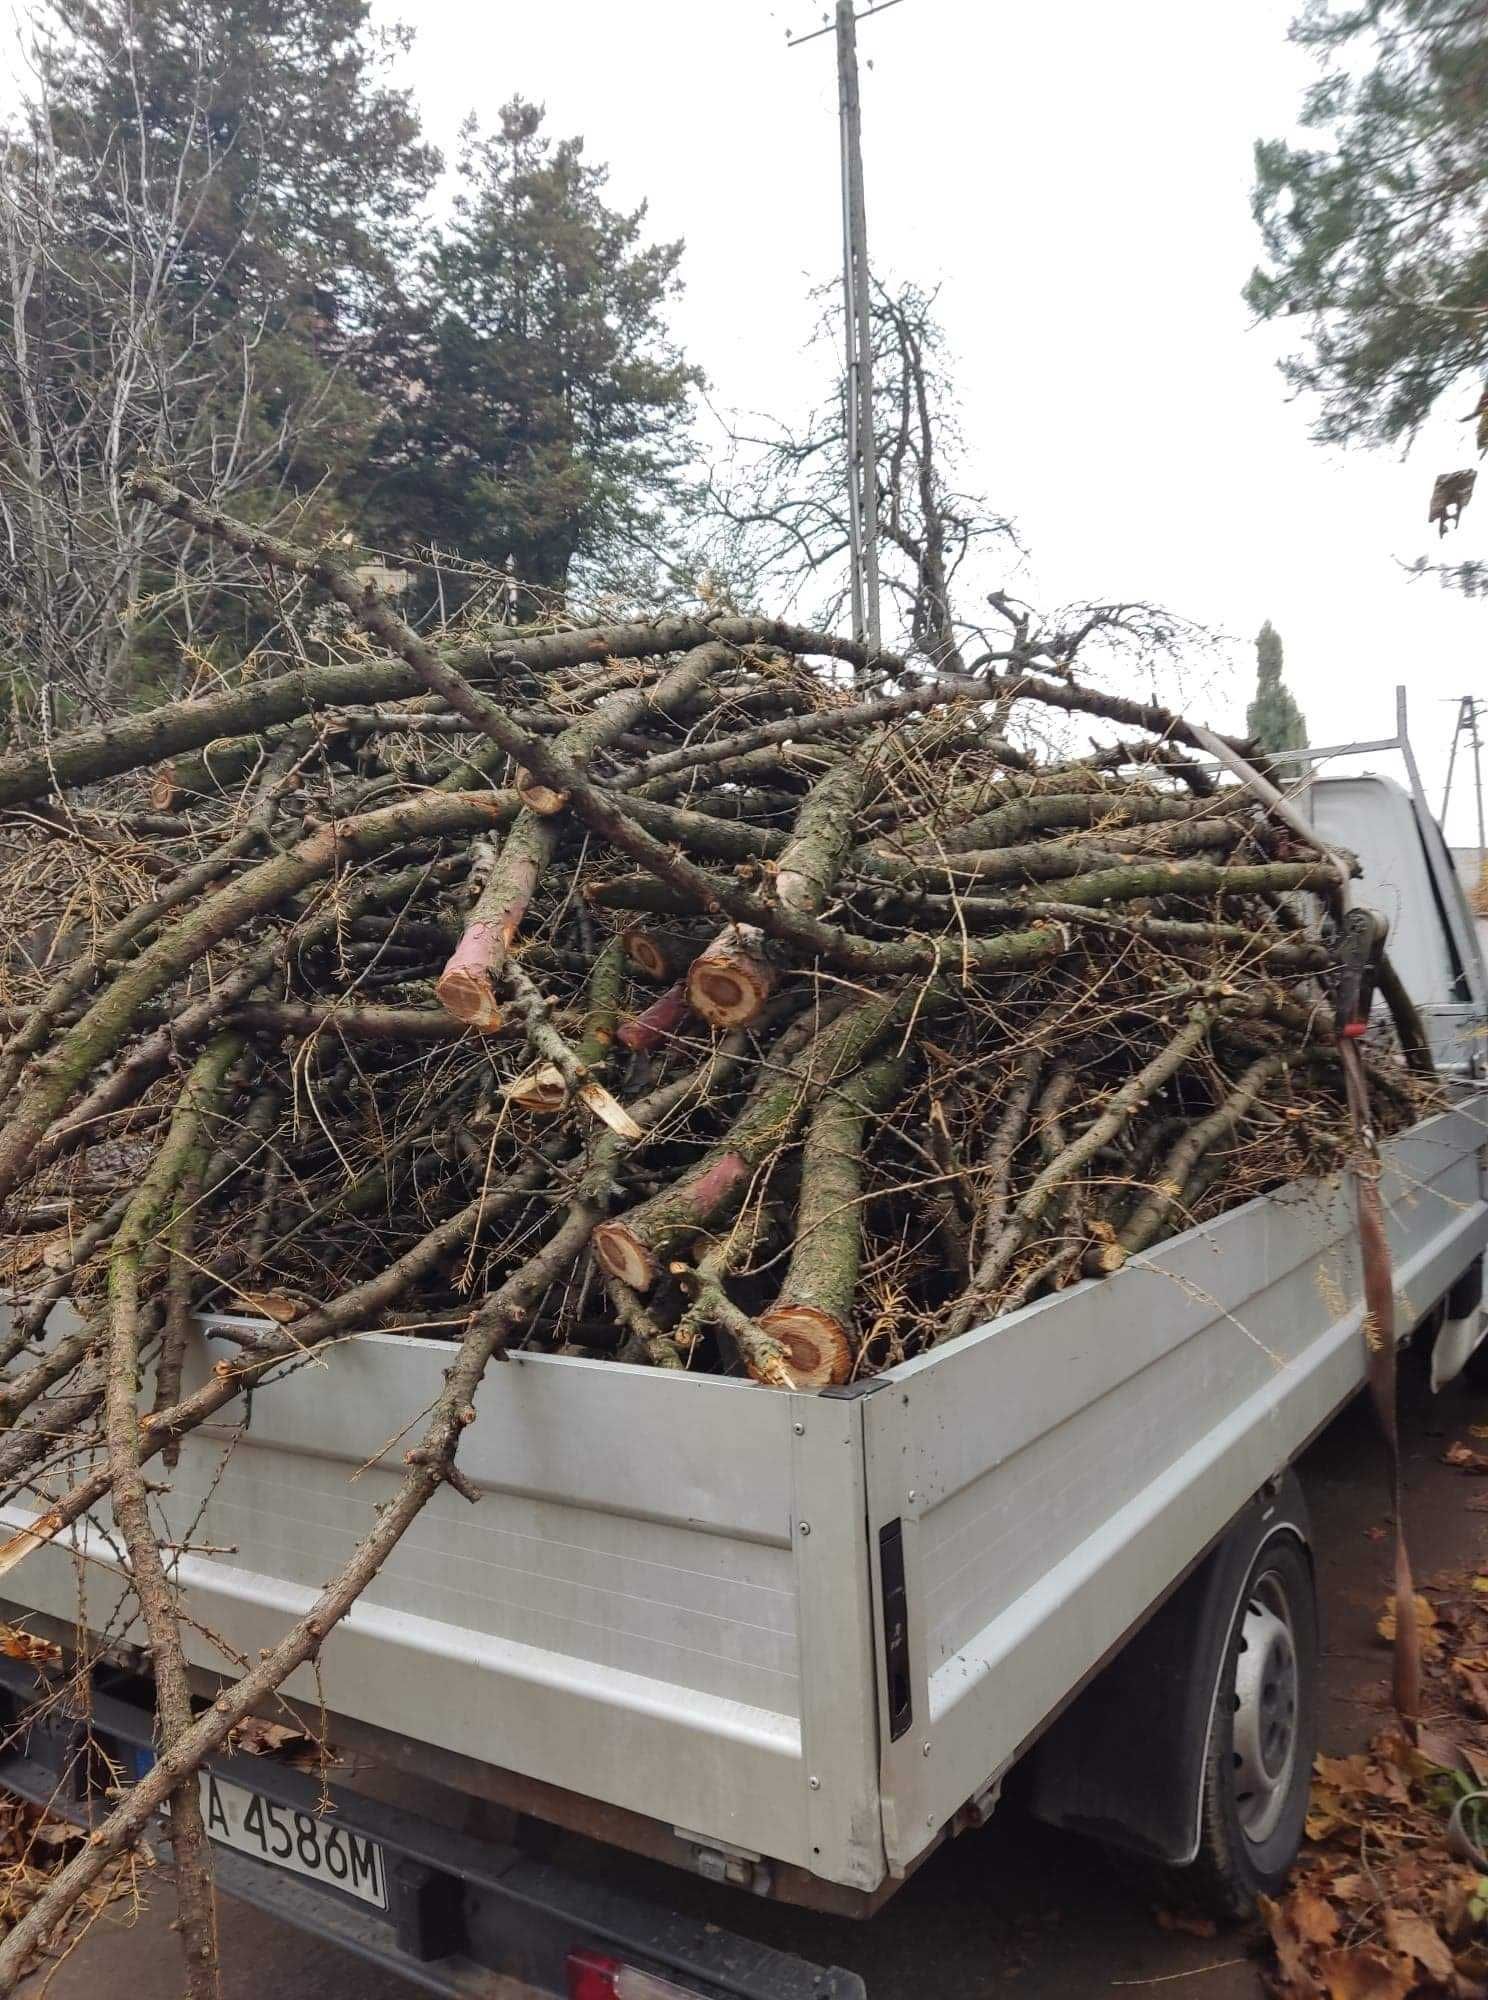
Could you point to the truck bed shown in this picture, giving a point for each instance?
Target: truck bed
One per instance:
(670, 1598)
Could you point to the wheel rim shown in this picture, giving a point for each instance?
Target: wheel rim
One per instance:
(1264, 1736)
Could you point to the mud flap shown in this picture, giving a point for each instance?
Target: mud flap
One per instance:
(1125, 1762)
(1462, 1327)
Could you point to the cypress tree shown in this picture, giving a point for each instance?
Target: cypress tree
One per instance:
(1273, 720)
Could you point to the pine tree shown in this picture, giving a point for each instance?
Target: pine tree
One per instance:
(544, 411)
(1377, 233)
(1273, 720)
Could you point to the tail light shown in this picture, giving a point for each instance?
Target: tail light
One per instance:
(592, 1976)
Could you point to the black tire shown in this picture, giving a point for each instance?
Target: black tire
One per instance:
(1254, 1805)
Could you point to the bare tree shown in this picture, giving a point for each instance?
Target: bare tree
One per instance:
(781, 507)
(124, 335)
(780, 525)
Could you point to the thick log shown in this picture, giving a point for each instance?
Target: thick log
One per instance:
(1137, 881)
(602, 995)
(812, 1317)
(1042, 813)
(807, 870)
(368, 1024)
(730, 981)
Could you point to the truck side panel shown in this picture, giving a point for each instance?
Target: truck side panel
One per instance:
(1055, 1473)
(654, 1574)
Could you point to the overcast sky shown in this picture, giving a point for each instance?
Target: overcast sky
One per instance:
(1076, 178)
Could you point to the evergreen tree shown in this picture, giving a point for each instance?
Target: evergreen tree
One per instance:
(307, 168)
(544, 410)
(1273, 720)
(1378, 233)
(206, 207)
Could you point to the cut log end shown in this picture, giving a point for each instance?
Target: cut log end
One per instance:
(624, 1256)
(817, 1351)
(647, 954)
(163, 792)
(1101, 1259)
(468, 996)
(730, 982)
(539, 798)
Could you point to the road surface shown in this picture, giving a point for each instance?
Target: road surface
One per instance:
(1013, 1909)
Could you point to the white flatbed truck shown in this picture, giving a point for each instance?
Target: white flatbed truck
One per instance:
(795, 1641)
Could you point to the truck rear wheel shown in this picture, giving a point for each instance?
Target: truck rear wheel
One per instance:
(1262, 1735)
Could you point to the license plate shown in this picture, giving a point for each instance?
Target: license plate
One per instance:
(322, 1848)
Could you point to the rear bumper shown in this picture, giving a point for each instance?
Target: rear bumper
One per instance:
(467, 1919)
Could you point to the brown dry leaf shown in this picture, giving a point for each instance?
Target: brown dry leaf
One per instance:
(1415, 1936)
(1312, 1915)
(1379, 1777)
(1400, 1761)
(1464, 1458)
(1350, 1888)
(18, 1645)
(1361, 1974)
(1292, 1953)
(253, 1737)
(1426, 1620)
(1472, 1962)
(277, 1306)
(1330, 1811)
(1299, 1923)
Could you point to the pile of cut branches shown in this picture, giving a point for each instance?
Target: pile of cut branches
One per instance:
(697, 993)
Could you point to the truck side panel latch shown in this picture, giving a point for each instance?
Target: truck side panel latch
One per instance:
(898, 1686)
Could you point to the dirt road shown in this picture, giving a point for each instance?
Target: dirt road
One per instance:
(1015, 1908)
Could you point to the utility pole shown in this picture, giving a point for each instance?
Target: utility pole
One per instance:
(857, 322)
(1469, 708)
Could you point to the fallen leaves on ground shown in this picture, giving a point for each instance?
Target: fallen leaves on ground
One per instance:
(1465, 1459)
(1425, 1624)
(1381, 1907)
